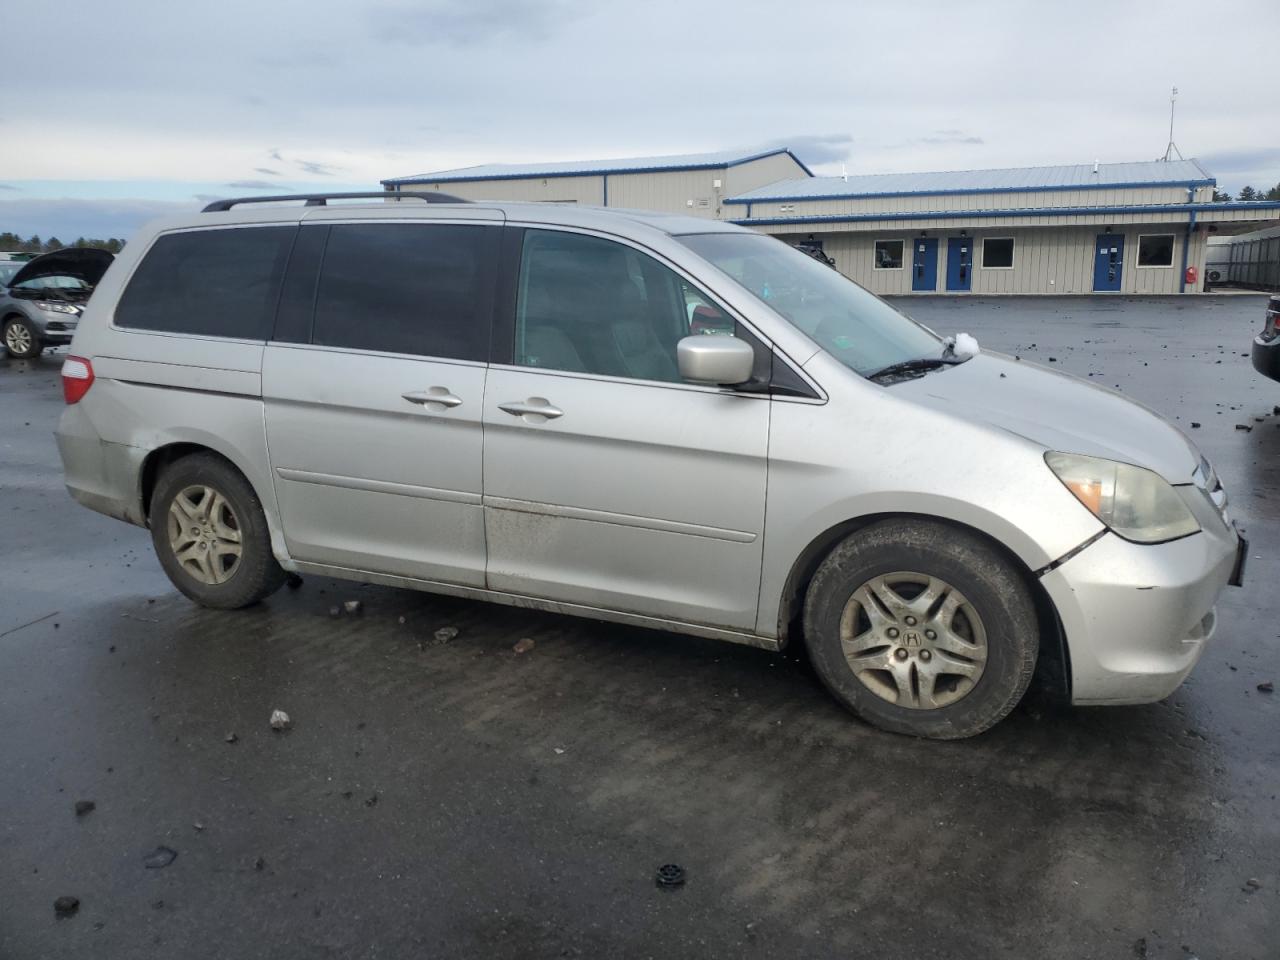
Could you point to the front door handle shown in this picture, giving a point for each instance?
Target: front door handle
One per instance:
(440, 395)
(537, 409)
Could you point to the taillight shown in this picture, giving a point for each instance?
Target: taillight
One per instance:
(77, 378)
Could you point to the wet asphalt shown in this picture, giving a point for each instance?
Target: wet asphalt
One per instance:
(460, 799)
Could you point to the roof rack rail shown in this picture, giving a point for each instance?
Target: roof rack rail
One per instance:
(322, 199)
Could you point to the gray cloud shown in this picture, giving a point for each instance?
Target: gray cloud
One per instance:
(269, 172)
(253, 185)
(318, 169)
(951, 136)
(467, 23)
(84, 218)
(5, 186)
(817, 148)
(274, 154)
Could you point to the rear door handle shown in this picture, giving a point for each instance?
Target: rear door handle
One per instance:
(534, 407)
(440, 395)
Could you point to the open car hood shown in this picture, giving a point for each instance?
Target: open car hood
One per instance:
(83, 263)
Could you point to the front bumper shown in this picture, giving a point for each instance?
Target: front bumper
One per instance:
(1137, 617)
(1266, 357)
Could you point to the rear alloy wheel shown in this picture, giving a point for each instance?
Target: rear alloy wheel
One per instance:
(211, 535)
(922, 629)
(20, 340)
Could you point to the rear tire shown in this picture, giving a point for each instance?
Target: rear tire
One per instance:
(211, 535)
(20, 339)
(922, 629)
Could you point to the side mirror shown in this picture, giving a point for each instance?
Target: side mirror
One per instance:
(715, 358)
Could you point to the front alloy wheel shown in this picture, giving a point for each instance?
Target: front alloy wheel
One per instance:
(922, 627)
(20, 341)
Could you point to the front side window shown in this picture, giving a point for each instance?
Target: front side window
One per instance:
(1155, 250)
(888, 255)
(997, 253)
(218, 283)
(589, 305)
(415, 288)
(850, 323)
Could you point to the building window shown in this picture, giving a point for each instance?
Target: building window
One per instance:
(1155, 250)
(888, 255)
(997, 253)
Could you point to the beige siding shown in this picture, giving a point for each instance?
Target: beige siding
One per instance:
(1056, 261)
(759, 173)
(539, 189)
(690, 192)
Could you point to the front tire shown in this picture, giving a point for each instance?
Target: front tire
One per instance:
(210, 534)
(20, 339)
(921, 628)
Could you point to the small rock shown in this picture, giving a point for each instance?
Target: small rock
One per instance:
(445, 634)
(335, 612)
(402, 621)
(1251, 885)
(1246, 427)
(259, 864)
(523, 645)
(66, 906)
(159, 858)
(558, 750)
(84, 806)
(232, 738)
(197, 826)
(371, 800)
(280, 720)
(1267, 687)
(352, 607)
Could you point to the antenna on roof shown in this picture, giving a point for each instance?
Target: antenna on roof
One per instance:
(1172, 149)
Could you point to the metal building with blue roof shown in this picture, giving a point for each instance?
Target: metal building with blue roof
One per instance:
(1137, 228)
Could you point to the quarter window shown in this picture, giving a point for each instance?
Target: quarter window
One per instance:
(589, 305)
(218, 283)
(888, 255)
(997, 253)
(1155, 250)
(422, 289)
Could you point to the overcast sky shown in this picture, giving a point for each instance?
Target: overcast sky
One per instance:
(115, 112)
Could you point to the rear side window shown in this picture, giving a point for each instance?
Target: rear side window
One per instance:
(422, 289)
(219, 283)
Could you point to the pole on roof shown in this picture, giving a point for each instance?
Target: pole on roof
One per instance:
(1172, 148)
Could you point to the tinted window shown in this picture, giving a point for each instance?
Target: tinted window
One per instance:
(888, 255)
(589, 305)
(221, 283)
(1155, 250)
(424, 289)
(997, 252)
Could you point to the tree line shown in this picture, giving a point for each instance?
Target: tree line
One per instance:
(1248, 193)
(12, 243)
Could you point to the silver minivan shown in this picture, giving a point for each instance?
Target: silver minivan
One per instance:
(640, 418)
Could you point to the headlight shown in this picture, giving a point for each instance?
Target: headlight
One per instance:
(1137, 504)
(50, 306)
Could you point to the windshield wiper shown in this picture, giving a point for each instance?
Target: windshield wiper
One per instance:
(919, 365)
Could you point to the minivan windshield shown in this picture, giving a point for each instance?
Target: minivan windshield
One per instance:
(854, 326)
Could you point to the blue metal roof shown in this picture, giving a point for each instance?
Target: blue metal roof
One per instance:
(1012, 180)
(586, 168)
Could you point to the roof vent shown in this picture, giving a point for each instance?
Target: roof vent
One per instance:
(1095, 166)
